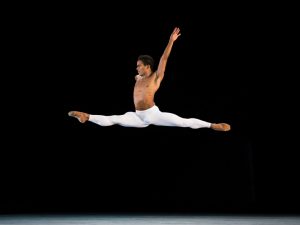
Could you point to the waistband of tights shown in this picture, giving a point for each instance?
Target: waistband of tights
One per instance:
(147, 110)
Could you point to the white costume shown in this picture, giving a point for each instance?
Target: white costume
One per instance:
(146, 117)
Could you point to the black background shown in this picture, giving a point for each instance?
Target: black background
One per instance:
(221, 69)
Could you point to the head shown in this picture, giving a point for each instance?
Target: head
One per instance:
(144, 64)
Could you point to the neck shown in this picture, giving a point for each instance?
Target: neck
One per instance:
(148, 74)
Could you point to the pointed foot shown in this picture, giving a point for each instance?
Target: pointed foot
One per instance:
(81, 116)
(221, 127)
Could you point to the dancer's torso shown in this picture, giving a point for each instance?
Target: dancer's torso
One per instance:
(144, 91)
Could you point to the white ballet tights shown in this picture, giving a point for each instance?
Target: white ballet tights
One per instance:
(146, 117)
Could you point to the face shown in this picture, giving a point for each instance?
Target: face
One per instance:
(141, 68)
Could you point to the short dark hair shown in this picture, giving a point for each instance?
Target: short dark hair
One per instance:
(147, 60)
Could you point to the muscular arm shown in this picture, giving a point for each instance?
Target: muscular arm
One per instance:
(164, 58)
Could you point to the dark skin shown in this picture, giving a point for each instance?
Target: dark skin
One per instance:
(144, 91)
(148, 82)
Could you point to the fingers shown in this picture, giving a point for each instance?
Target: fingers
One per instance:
(176, 31)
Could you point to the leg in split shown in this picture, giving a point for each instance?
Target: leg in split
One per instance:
(156, 117)
(129, 119)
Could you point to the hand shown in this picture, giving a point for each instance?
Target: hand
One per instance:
(175, 34)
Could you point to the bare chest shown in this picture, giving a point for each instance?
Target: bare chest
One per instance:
(143, 82)
(146, 84)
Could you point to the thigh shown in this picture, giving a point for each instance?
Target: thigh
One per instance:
(165, 119)
(130, 119)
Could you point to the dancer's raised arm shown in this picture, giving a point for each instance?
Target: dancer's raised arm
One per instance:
(164, 58)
